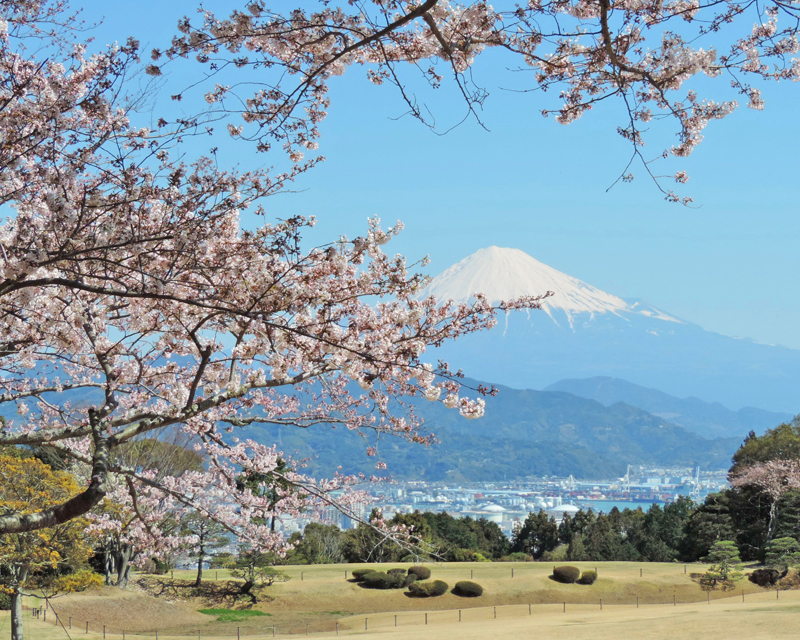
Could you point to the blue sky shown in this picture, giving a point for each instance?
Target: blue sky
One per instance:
(730, 264)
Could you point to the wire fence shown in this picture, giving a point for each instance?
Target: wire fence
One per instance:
(75, 629)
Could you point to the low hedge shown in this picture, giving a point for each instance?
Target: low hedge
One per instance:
(358, 574)
(588, 577)
(566, 574)
(381, 580)
(467, 589)
(422, 573)
(428, 589)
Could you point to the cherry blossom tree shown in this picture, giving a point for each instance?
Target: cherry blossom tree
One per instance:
(647, 54)
(132, 301)
(775, 478)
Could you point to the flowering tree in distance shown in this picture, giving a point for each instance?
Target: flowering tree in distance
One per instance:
(128, 278)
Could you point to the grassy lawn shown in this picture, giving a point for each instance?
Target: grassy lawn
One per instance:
(233, 615)
(320, 597)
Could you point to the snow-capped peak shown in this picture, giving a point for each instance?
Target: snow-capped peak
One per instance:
(503, 274)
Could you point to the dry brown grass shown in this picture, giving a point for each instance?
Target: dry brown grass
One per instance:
(320, 597)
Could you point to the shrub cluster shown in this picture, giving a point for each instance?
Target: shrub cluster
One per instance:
(396, 572)
(5, 601)
(428, 589)
(381, 580)
(358, 574)
(422, 573)
(566, 574)
(765, 577)
(588, 577)
(467, 589)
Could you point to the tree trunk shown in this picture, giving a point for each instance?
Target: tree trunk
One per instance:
(123, 565)
(773, 521)
(199, 580)
(16, 615)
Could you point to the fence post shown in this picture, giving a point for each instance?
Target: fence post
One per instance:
(674, 600)
(495, 613)
(44, 618)
(216, 576)
(512, 572)
(640, 573)
(238, 636)
(273, 630)
(709, 597)
(345, 574)
(530, 612)
(366, 624)
(426, 618)
(104, 632)
(459, 615)
(637, 602)
(70, 622)
(470, 574)
(301, 576)
(601, 604)
(742, 595)
(684, 569)
(777, 592)
(123, 634)
(87, 629)
(565, 607)
(395, 619)
(337, 624)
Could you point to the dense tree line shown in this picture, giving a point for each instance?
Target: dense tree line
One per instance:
(680, 531)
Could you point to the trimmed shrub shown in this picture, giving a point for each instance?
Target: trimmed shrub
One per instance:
(467, 589)
(407, 580)
(588, 577)
(381, 580)
(765, 577)
(428, 589)
(566, 574)
(396, 572)
(422, 573)
(358, 574)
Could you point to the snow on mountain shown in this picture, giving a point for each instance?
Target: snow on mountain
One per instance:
(593, 333)
(502, 274)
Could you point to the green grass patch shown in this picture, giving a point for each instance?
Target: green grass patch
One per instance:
(233, 615)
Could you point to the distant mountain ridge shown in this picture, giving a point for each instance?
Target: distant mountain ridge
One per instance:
(524, 433)
(707, 419)
(584, 332)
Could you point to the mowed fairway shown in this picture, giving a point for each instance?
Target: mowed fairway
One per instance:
(319, 599)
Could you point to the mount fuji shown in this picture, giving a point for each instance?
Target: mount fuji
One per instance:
(582, 332)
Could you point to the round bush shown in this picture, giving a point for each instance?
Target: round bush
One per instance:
(428, 589)
(467, 589)
(765, 577)
(588, 577)
(566, 574)
(358, 574)
(422, 573)
(381, 580)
